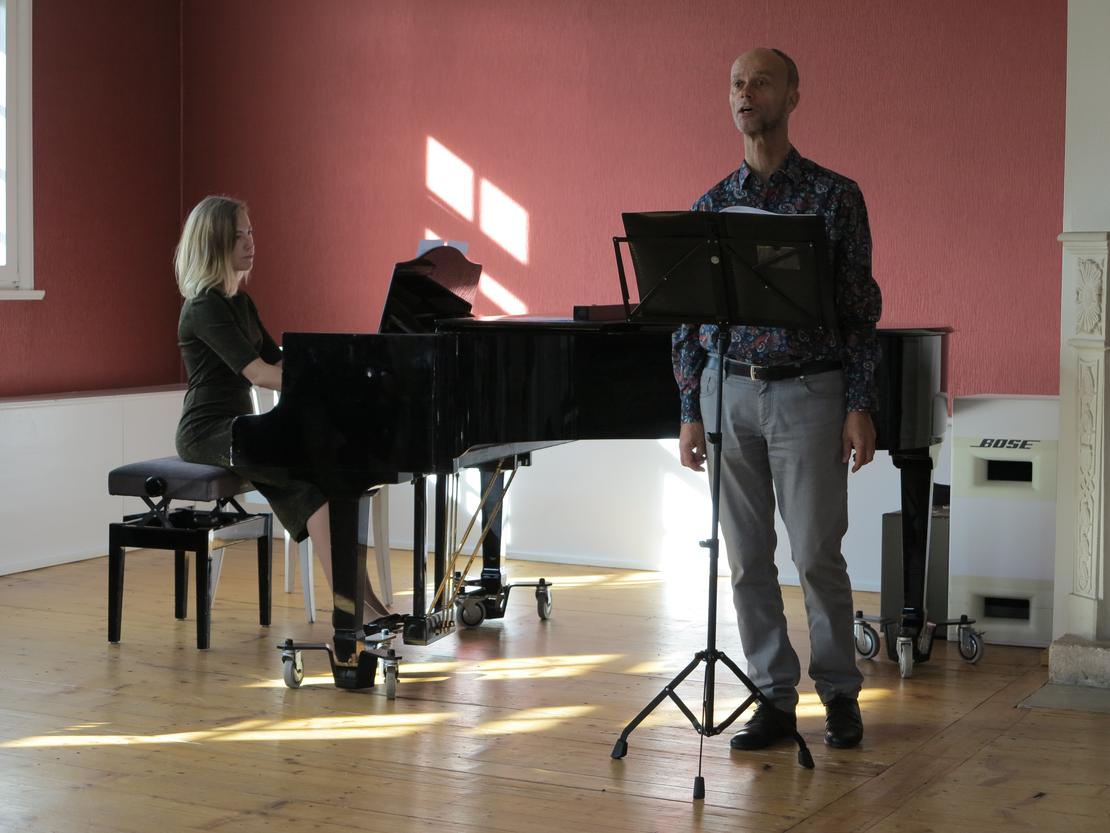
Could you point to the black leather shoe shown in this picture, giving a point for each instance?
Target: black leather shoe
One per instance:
(843, 723)
(767, 726)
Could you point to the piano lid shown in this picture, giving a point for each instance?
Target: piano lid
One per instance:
(441, 283)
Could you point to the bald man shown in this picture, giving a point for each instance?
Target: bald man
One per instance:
(797, 412)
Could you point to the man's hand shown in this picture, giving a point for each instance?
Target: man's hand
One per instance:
(858, 435)
(691, 445)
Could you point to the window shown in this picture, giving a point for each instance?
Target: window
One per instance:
(16, 240)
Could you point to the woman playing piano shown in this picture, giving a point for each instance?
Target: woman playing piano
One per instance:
(227, 350)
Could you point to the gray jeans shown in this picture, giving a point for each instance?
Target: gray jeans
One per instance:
(782, 440)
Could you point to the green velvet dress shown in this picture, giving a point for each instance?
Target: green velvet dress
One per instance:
(218, 337)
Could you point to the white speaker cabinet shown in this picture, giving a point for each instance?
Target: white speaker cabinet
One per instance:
(1003, 522)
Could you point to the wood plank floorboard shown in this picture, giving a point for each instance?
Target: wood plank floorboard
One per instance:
(506, 727)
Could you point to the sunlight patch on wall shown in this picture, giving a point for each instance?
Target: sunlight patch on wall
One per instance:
(450, 178)
(498, 216)
(503, 220)
(502, 297)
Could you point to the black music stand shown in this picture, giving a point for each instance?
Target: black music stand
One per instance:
(724, 269)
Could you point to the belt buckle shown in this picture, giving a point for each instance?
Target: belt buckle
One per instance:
(754, 371)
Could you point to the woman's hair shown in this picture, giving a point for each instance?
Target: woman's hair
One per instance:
(202, 260)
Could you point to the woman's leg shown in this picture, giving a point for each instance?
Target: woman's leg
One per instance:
(319, 530)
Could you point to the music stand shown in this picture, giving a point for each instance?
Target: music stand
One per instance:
(724, 269)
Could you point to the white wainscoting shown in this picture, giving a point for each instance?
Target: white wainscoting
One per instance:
(614, 504)
(55, 455)
(629, 504)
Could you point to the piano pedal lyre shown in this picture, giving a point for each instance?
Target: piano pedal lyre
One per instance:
(441, 622)
(489, 596)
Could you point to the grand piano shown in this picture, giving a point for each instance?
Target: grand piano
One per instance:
(437, 391)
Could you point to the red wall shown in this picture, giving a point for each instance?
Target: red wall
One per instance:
(579, 110)
(106, 197)
(949, 115)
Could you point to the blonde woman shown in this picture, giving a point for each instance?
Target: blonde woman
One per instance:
(226, 350)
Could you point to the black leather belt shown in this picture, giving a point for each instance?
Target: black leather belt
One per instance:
(773, 373)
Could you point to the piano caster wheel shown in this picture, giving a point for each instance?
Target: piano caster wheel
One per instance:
(905, 657)
(292, 669)
(390, 673)
(543, 601)
(472, 613)
(971, 646)
(867, 640)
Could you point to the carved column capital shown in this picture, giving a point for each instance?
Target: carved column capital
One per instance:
(1088, 296)
(1084, 298)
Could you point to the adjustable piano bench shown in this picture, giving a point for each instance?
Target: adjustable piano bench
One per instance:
(183, 530)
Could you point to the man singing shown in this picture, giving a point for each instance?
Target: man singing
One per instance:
(797, 411)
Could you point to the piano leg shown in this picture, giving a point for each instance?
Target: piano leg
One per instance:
(491, 546)
(419, 547)
(354, 654)
(916, 468)
(439, 552)
(420, 627)
(352, 667)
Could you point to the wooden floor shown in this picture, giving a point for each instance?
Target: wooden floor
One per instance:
(507, 727)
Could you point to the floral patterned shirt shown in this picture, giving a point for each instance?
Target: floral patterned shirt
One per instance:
(799, 186)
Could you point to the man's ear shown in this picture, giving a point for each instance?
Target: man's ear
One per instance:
(792, 101)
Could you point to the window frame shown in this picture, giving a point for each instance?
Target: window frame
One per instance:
(17, 277)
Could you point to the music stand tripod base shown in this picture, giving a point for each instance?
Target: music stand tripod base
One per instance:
(620, 748)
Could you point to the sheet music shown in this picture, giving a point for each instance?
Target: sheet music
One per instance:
(747, 209)
(783, 257)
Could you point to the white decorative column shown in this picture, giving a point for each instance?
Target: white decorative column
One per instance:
(1080, 652)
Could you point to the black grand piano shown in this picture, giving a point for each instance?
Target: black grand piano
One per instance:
(437, 391)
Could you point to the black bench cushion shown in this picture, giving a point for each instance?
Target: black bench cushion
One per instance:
(184, 481)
